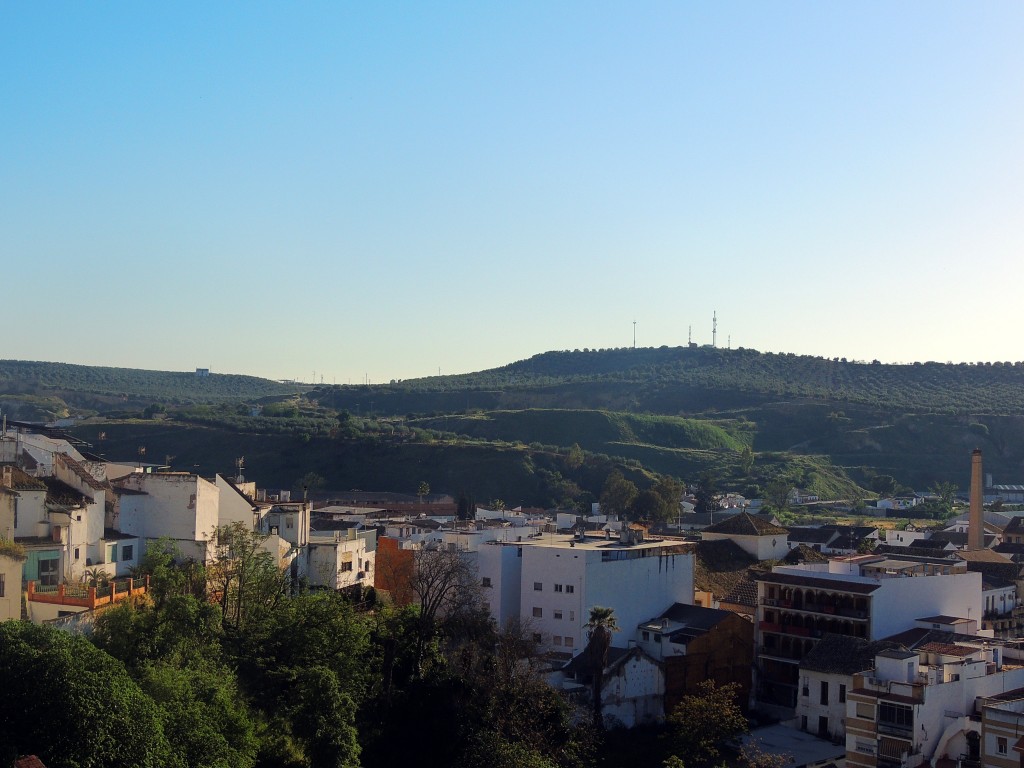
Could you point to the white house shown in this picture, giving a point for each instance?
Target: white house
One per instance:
(341, 558)
(559, 578)
(179, 506)
(755, 534)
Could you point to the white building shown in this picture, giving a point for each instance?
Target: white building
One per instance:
(870, 597)
(178, 506)
(559, 578)
(917, 707)
(341, 558)
(756, 535)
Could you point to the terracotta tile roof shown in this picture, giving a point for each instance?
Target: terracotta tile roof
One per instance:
(31, 761)
(746, 524)
(801, 553)
(22, 481)
(947, 649)
(719, 566)
(81, 471)
(744, 593)
(844, 655)
(982, 556)
(62, 494)
(811, 535)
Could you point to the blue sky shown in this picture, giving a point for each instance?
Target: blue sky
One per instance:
(382, 190)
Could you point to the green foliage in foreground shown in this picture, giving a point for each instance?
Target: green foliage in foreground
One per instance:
(282, 680)
(73, 705)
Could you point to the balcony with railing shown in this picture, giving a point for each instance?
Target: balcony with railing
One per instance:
(81, 596)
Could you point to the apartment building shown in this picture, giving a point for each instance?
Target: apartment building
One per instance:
(558, 578)
(920, 707)
(862, 596)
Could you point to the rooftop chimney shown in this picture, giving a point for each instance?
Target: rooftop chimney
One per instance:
(976, 520)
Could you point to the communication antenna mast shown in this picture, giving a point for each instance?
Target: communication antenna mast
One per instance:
(714, 329)
(634, 334)
(729, 342)
(689, 335)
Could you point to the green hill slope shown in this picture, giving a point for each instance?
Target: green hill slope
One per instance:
(75, 383)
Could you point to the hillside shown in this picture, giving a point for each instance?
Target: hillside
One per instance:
(57, 389)
(516, 473)
(676, 411)
(685, 379)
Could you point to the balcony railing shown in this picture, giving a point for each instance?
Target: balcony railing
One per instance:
(87, 597)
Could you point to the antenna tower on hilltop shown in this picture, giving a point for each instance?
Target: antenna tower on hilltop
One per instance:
(714, 329)
(689, 336)
(634, 334)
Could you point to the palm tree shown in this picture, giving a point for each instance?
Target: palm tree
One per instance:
(95, 577)
(599, 639)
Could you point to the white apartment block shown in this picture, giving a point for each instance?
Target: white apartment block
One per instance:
(552, 581)
(921, 707)
(868, 597)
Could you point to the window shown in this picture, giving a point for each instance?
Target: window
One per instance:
(537, 638)
(289, 523)
(128, 552)
(572, 615)
(568, 642)
(865, 711)
(1001, 745)
(77, 555)
(346, 567)
(557, 640)
(895, 715)
(486, 581)
(48, 572)
(538, 586)
(538, 613)
(646, 636)
(558, 614)
(824, 693)
(842, 693)
(113, 554)
(558, 587)
(3, 586)
(570, 588)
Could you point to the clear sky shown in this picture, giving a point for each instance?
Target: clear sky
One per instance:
(383, 190)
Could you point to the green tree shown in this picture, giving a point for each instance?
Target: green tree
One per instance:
(778, 493)
(746, 459)
(648, 505)
(244, 576)
(73, 705)
(618, 494)
(946, 491)
(204, 716)
(705, 727)
(707, 494)
(599, 626)
(423, 490)
(311, 481)
(671, 492)
(574, 459)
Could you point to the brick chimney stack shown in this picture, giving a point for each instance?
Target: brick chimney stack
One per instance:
(976, 519)
(7, 477)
